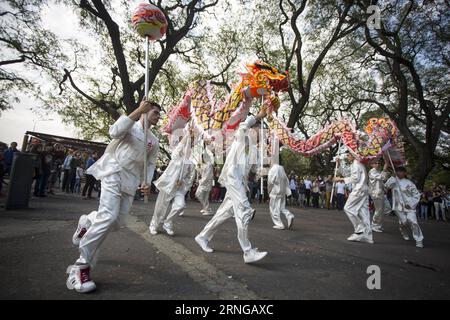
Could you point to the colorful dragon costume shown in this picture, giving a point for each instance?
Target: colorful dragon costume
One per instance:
(263, 80)
(379, 135)
(209, 115)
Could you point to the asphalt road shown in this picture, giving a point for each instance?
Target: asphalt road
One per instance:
(313, 260)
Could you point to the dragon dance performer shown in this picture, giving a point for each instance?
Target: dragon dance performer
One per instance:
(377, 193)
(119, 170)
(205, 184)
(234, 177)
(173, 184)
(278, 186)
(405, 197)
(357, 205)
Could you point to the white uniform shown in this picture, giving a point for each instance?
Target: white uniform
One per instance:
(357, 205)
(377, 193)
(120, 170)
(173, 185)
(234, 177)
(278, 186)
(205, 185)
(404, 202)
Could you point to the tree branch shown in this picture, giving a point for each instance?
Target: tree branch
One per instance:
(104, 105)
(18, 60)
(114, 33)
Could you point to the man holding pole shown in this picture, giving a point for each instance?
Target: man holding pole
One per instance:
(405, 198)
(278, 187)
(205, 184)
(172, 185)
(357, 205)
(120, 171)
(234, 177)
(377, 193)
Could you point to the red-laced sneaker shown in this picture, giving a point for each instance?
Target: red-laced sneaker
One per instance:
(83, 226)
(79, 279)
(85, 275)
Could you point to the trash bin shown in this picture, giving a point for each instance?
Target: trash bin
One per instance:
(20, 180)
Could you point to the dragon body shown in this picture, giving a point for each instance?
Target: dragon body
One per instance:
(207, 114)
(379, 135)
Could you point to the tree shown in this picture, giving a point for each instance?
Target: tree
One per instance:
(25, 46)
(331, 16)
(410, 63)
(293, 162)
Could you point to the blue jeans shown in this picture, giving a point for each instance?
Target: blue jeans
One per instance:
(340, 201)
(77, 186)
(423, 211)
(40, 185)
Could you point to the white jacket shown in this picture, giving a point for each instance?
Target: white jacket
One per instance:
(404, 198)
(125, 154)
(180, 173)
(238, 164)
(358, 178)
(376, 183)
(206, 177)
(278, 182)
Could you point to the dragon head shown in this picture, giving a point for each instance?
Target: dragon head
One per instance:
(263, 79)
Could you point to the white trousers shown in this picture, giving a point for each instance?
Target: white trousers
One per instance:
(203, 197)
(357, 210)
(409, 217)
(277, 206)
(235, 203)
(162, 204)
(439, 207)
(382, 207)
(112, 203)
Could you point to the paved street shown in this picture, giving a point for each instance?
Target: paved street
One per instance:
(312, 261)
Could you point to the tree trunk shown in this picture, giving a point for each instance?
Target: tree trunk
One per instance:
(424, 166)
(296, 110)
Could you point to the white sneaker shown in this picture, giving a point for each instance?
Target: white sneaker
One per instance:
(253, 255)
(360, 238)
(153, 230)
(168, 230)
(203, 243)
(83, 225)
(290, 220)
(419, 244)
(366, 239)
(207, 213)
(278, 227)
(181, 213)
(79, 279)
(202, 211)
(377, 229)
(353, 237)
(405, 237)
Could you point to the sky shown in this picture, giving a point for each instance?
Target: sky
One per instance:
(15, 122)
